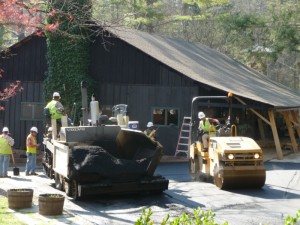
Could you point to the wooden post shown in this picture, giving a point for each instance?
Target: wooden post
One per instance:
(288, 123)
(261, 128)
(296, 119)
(275, 135)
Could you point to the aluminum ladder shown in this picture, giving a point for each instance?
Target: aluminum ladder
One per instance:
(184, 137)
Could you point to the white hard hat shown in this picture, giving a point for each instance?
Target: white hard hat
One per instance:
(201, 115)
(5, 129)
(50, 129)
(34, 129)
(149, 124)
(56, 94)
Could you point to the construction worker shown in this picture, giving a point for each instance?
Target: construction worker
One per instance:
(54, 110)
(49, 133)
(206, 128)
(150, 131)
(31, 146)
(6, 142)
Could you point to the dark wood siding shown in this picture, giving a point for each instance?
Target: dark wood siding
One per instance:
(11, 116)
(141, 99)
(25, 61)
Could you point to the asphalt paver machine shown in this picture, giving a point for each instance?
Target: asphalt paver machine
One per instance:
(100, 158)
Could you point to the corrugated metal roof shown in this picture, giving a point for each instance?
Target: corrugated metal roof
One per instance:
(211, 67)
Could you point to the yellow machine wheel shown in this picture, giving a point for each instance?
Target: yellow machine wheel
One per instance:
(194, 168)
(234, 179)
(218, 177)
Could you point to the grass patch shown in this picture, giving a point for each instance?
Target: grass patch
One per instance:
(7, 217)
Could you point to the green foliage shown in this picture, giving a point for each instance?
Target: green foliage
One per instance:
(145, 15)
(199, 217)
(206, 3)
(289, 220)
(145, 218)
(68, 56)
(7, 217)
(285, 35)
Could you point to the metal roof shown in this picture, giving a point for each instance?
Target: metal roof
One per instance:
(211, 67)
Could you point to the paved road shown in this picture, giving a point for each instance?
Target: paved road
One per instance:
(270, 205)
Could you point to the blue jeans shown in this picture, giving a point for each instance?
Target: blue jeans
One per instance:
(31, 163)
(4, 163)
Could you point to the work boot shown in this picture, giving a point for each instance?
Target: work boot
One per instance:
(33, 173)
(7, 176)
(27, 174)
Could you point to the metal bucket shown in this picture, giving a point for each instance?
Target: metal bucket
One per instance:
(16, 171)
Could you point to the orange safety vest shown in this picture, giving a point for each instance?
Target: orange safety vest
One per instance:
(33, 141)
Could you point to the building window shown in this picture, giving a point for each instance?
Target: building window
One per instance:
(32, 111)
(106, 110)
(165, 116)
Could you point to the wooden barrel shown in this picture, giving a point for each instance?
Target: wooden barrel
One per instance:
(19, 198)
(51, 204)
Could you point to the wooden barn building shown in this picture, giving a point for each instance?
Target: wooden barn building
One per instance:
(157, 77)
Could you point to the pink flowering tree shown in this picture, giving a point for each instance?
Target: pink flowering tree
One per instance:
(24, 16)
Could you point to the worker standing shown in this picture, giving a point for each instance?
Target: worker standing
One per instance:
(6, 142)
(206, 128)
(150, 131)
(54, 110)
(31, 146)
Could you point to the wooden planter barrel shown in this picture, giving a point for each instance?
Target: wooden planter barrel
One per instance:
(19, 198)
(51, 204)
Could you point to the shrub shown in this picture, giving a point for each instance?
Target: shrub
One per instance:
(199, 217)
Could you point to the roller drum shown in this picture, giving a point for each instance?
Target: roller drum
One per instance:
(240, 177)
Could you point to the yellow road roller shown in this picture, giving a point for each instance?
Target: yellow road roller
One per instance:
(230, 161)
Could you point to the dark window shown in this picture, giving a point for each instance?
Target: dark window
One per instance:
(32, 111)
(165, 116)
(106, 110)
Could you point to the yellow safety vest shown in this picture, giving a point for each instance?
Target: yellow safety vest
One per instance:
(33, 140)
(5, 148)
(207, 127)
(55, 114)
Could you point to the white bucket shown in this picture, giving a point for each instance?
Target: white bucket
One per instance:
(133, 125)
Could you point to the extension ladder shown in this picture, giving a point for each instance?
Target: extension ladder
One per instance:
(184, 137)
